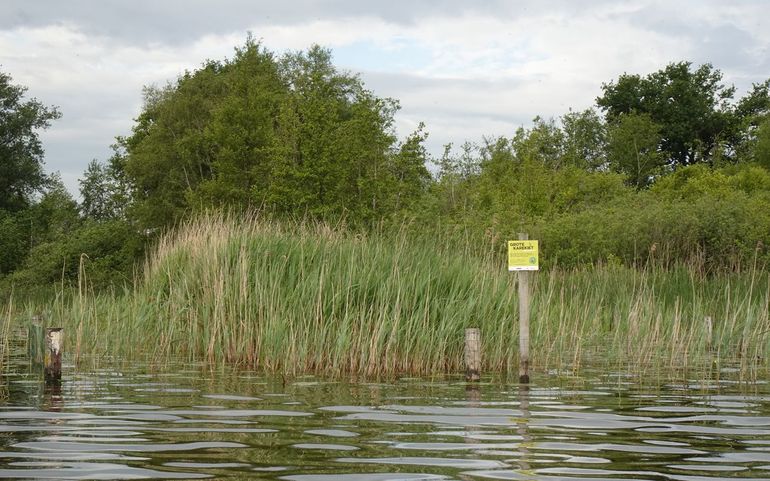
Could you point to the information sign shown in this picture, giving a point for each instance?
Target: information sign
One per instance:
(522, 255)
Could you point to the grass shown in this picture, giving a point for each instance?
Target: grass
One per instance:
(6, 314)
(305, 297)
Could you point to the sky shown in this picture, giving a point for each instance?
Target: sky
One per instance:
(467, 69)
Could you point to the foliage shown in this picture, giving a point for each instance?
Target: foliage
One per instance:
(54, 216)
(292, 135)
(103, 192)
(713, 219)
(671, 172)
(691, 106)
(105, 252)
(21, 153)
(49, 242)
(650, 217)
(585, 137)
(762, 146)
(13, 242)
(632, 149)
(294, 298)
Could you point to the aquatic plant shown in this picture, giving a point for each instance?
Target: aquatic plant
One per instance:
(296, 297)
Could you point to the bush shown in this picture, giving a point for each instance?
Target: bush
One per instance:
(108, 251)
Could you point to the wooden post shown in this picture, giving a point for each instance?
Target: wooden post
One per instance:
(472, 354)
(53, 348)
(35, 340)
(709, 332)
(522, 428)
(523, 322)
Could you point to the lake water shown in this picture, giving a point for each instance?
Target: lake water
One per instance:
(139, 422)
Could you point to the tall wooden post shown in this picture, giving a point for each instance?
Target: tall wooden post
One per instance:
(472, 354)
(523, 322)
(53, 349)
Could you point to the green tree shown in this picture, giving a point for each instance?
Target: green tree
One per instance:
(169, 154)
(584, 139)
(55, 215)
(14, 241)
(761, 149)
(408, 169)
(544, 143)
(294, 135)
(103, 193)
(21, 152)
(333, 143)
(632, 148)
(692, 108)
(755, 105)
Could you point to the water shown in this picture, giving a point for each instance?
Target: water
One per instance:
(138, 422)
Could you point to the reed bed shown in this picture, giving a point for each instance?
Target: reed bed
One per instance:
(304, 297)
(5, 328)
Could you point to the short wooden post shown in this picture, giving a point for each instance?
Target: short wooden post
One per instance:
(35, 340)
(53, 350)
(523, 322)
(472, 354)
(709, 332)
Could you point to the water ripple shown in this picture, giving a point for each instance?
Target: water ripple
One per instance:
(112, 424)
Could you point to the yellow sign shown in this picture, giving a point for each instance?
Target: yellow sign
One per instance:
(522, 255)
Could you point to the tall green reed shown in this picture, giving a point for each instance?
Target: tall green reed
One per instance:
(5, 329)
(305, 297)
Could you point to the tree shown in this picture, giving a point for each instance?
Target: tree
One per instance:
(21, 153)
(333, 143)
(14, 242)
(55, 215)
(762, 144)
(753, 112)
(632, 148)
(692, 108)
(544, 143)
(102, 191)
(293, 135)
(169, 152)
(52, 218)
(584, 139)
(408, 169)
(755, 105)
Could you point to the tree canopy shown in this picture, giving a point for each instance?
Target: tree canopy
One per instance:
(21, 152)
(668, 162)
(292, 135)
(693, 108)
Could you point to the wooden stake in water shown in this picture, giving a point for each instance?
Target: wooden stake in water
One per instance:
(472, 354)
(35, 340)
(523, 322)
(53, 350)
(709, 332)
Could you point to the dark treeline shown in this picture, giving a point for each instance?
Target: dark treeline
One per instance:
(669, 167)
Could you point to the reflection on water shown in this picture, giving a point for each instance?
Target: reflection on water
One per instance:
(139, 422)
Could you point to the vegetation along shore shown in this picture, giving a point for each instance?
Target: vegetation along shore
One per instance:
(263, 212)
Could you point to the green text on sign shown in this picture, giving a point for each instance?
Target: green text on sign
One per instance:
(522, 255)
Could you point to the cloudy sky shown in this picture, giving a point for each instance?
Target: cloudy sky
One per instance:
(467, 69)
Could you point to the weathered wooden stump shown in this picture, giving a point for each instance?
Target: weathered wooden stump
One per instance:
(53, 351)
(709, 332)
(472, 354)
